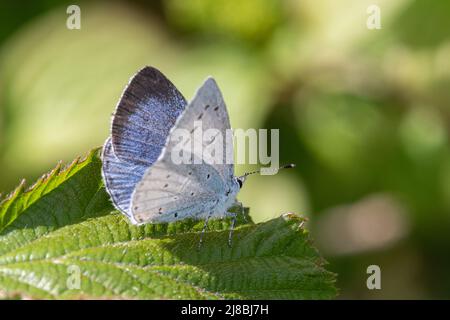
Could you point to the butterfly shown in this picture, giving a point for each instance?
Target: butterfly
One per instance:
(138, 170)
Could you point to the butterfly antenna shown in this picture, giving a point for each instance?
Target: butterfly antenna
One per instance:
(250, 173)
(287, 166)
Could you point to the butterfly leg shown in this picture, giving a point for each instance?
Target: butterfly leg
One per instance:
(233, 222)
(200, 243)
(241, 210)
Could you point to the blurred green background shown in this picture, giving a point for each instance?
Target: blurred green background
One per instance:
(365, 114)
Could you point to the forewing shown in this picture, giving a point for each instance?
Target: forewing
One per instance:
(208, 109)
(145, 114)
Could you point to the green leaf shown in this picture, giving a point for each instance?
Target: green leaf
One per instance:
(64, 229)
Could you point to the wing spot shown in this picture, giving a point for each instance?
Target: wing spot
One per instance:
(190, 173)
(166, 185)
(200, 116)
(216, 108)
(206, 107)
(228, 192)
(192, 193)
(168, 176)
(160, 211)
(208, 176)
(175, 214)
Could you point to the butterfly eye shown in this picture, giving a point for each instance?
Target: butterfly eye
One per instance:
(240, 183)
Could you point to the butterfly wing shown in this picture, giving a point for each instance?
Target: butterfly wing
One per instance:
(146, 112)
(120, 178)
(209, 109)
(170, 191)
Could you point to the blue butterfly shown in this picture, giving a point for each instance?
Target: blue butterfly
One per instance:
(139, 174)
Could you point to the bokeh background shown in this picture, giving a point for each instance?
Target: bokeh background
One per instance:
(364, 113)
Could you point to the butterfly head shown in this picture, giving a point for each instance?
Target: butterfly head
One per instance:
(240, 181)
